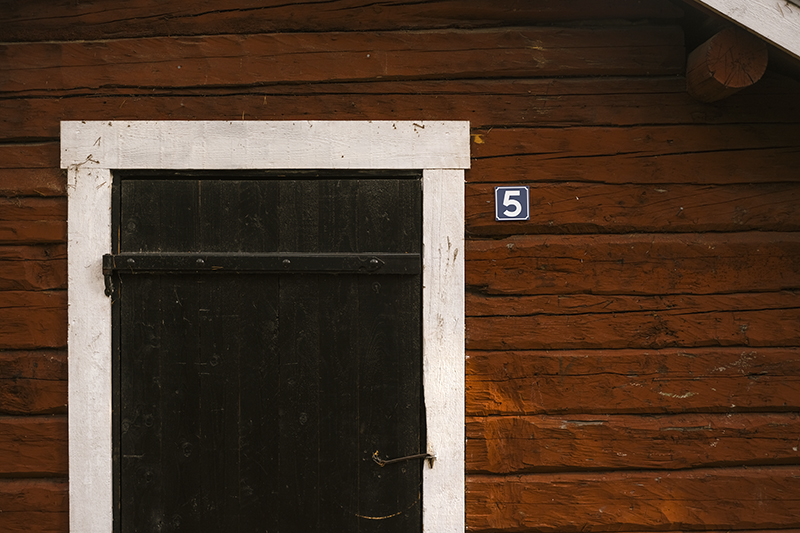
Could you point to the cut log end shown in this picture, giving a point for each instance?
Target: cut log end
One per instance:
(725, 64)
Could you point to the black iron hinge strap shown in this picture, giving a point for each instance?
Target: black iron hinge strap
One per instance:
(333, 263)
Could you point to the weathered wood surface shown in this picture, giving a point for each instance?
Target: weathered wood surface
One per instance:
(38, 155)
(646, 154)
(717, 380)
(590, 321)
(526, 444)
(478, 304)
(42, 20)
(33, 446)
(314, 57)
(485, 103)
(599, 208)
(650, 329)
(735, 498)
(33, 182)
(725, 64)
(25, 268)
(764, 18)
(590, 101)
(34, 506)
(31, 169)
(33, 232)
(33, 220)
(635, 263)
(33, 383)
(33, 209)
(30, 320)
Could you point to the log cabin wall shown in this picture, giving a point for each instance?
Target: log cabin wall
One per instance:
(633, 348)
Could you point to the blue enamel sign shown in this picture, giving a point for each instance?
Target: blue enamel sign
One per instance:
(511, 203)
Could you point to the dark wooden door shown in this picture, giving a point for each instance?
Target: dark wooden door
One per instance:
(268, 344)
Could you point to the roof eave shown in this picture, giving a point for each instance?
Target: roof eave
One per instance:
(775, 21)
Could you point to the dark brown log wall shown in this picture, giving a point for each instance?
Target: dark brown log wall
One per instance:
(633, 348)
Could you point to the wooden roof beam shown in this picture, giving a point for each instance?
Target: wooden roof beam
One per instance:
(725, 64)
(776, 21)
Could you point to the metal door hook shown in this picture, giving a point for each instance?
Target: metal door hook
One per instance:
(384, 462)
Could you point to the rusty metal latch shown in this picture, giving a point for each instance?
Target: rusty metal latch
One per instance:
(384, 462)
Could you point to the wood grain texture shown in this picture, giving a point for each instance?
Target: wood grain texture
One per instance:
(734, 498)
(635, 264)
(262, 145)
(33, 232)
(32, 182)
(33, 209)
(41, 20)
(34, 506)
(728, 327)
(317, 57)
(725, 64)
(525, 444)
(33, 220)
(485, 103)
(655, 155)
(33, 446)
(33, 383)
(598, 208)
(591, 321)
(765, 18)
(24, 268)
(478, 305)
(29, 156)
(30, 320)
(31, 170)
(717, 380)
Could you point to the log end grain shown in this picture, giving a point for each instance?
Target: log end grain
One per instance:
(728, 62)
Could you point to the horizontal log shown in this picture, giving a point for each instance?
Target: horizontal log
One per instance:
(735, 498)
(318, 57)
(527, 444)
(655, 155)
(725, 64)
(24, 268)
(34, 506)
(478, 304)
(43, 364)
(528, 102)
(599, 208)
(40, 20)
(33, 182)
(33, 220)
(32, 169)
(30, 320)
(33, 383)
(33, 209)
(648, 329)
(635, 264)
(591, 321)
(716, 380)
(38, 232)
(33, 446)
(39, 156)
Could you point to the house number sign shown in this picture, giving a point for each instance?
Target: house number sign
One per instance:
(511, 203)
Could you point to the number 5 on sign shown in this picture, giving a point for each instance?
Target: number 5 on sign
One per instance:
(511, 203)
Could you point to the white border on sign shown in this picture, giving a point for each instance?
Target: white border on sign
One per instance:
(523, 201)
(90, 151)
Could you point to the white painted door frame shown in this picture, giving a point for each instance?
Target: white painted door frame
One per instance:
(91, 151)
